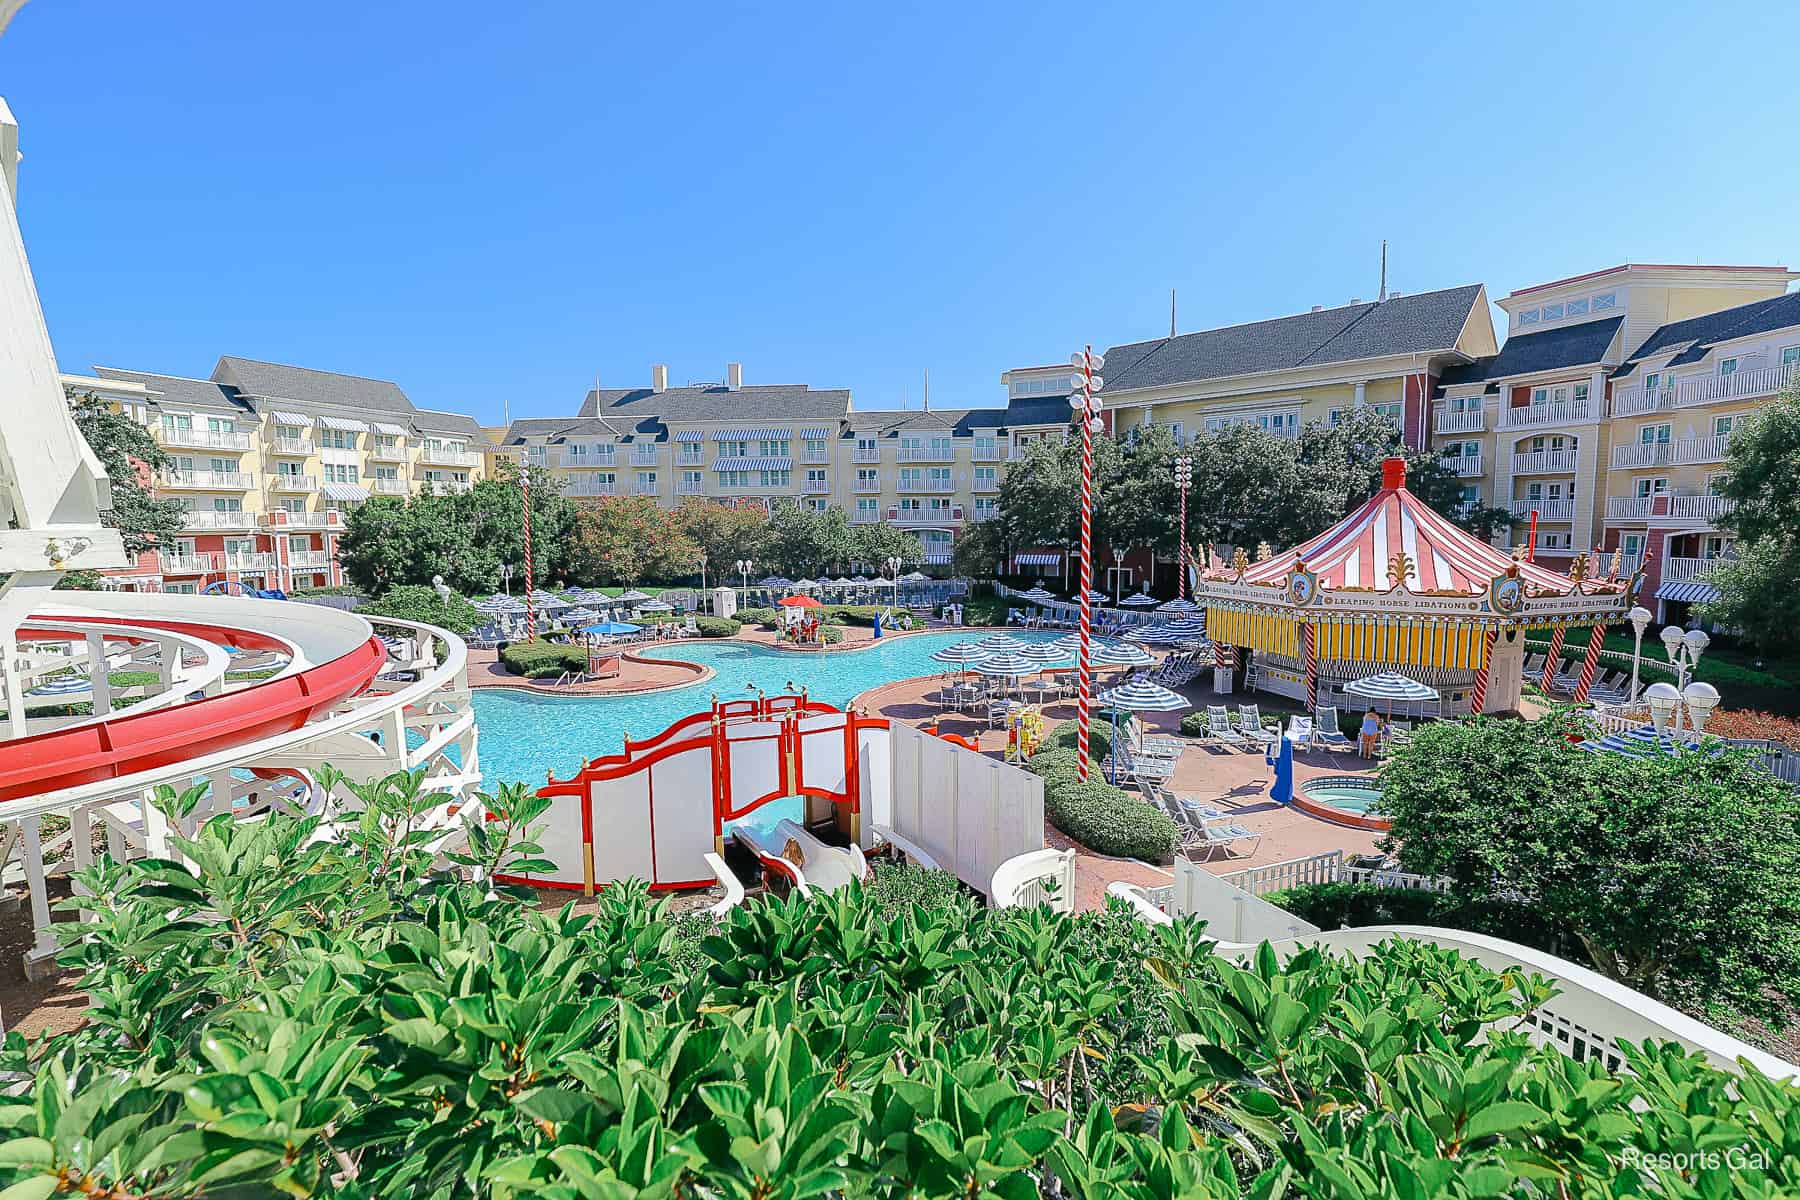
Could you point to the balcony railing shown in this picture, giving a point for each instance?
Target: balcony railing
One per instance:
(690, 460)
(816, 488)
(298, 447)
(188, 564)
(1627, 508)
(689, 488)
(815, 456)
(210, 481)
(201, 439)
(1466, 466)
(865, 456)
(389, 487)
(1547, 510)
(286, 481)
(868, 486)
(927, 454)
(863, 517)
(1637, 401)
(258, 561)
(579, 487)
(1739, 385)
(1638, 455)
(215, 519)
(445, 487)
(1680, 569)
(1712, 449)
(1469, 420)
(282, 519)
(988, 454)
(303, 560)
(1532, 416)
(1545, 462)
(1666, 507)
(569, 461)
(390, 453)
(1698, 508)
(986, 484)
(926, 485)
(927, 516)
(440, 457)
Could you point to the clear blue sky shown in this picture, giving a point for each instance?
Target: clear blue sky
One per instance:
(495, 203)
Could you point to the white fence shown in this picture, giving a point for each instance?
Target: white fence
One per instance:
(969, 812)
(1038, 877)
(1330, 867)
(1231, 913)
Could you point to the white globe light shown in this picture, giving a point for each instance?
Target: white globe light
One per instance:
(1096, 425)
(1078, 401)
(1077, 383)
(1697, 641)
(1078, 359)
(1095, 383)
(1640, 619)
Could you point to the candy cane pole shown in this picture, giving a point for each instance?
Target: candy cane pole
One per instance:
(1478, 696)
(1083, 400)
(1184, 475)
(530, 616)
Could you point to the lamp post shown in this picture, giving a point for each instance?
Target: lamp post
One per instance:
(506, 574)
(1184, 479)
(1118, 575)
(1667, 700)
(891, 568)
(1640, 619)
(1083, 401)
(442, 589)
(744, 567)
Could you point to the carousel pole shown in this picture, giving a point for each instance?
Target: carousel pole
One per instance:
(1590, 664)
(1184, 478)
(1555, 658)
(1082, 399)
(1478, 695)
(1309, 646)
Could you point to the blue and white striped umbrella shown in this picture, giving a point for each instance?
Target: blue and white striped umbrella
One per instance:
(1002, 643)
(1096, 597)
(655, 606)
(1047, 653)
(1144, 696)
(580, 615)
(1108, 654)
(493, 603)
(1007, 665)
(61, 685)
(1389, 686)
(1638, 743)
(1036, 595)
(633, 597)
(1178, 605)
(962, 654)
(774, 581)
(1140, 600)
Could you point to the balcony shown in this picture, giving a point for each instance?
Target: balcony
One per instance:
(287, 481)
(309, 560)
(866, 456)
(393, 452)
(200, 439)
(645, 489)
(865, 517)
(1536, 416)
(188, 564)
(1636, 401)
(987, 454)
(1665, 508)
(1639, 455)
(929, 516)
(567, 461)
(292, 447)
(1697, 508)
(690, 488)
(258, 561)
(1545, 462)
(816, 487)
(1627, 508)
(215, 519)
(815, 456)
(591, 488)
(643, 456)
(987, 483)
(926, 454)
(868, 487)
(1465, 466)
(389, 487)
(1739, 385)
(439, 456)
(1473, 420)
(208, 481)
(926, 485)
(1691, 451)
(1547, 510)
(280, 518)
(1678, 569)
(445, 487)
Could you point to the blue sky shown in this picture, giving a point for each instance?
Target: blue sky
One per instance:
(496, 204)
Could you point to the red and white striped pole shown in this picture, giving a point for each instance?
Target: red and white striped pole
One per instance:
(1309, 646)
(1554, 660)
(530, 615)
(1083, 400)
(1184, 476)
(1590, 664)
(1478, 696)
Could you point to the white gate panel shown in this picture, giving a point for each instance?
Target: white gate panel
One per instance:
(755, 751)
(681, 807)
(874, 764)
(622, 838)
(561, 840)
(822, 752)
(968, 811)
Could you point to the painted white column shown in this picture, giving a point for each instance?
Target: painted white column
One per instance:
(1590, 472)
(15, 691)
(1362, 395)
(43, 943)
(98, 676)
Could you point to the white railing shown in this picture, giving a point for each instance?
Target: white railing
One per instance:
(1545, 462)
(393, 452)
(991, 454)
(865, 456)
(811, 488)
(927, 455)
(1568, 412)
(285, 481)
(643, 456)
(1702, 450)
(445, 487)
(389, 487)
(926, 485)
(258, 561)
(859, 517)
(986, 485)
(1037, 877)
(1698, 508)
(201, 439)
(868, 486)
(587, 487)
(1636, 455)
(439, 457)
(1681, 568)
(691, 458)
(282, 519)
(929, 516)
(1465, 466)
(188, 564)
(645, 489)
(1635, 401)
(304, 559)
(217, 481)
(1330, 867)
(213, 519)
(1739, 385)
(1472, 420)
(1627, 508)
(685, 488)
(291, 445)
(1547, 510)
(570, 461)
(815, 456)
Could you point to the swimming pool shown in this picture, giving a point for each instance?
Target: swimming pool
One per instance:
(1346, 799)
(523, 734)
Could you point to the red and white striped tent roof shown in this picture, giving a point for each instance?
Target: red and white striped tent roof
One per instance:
(1359, 551)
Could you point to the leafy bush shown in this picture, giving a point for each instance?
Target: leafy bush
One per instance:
(768, 618)
(895, 887)
(852, 614)
(831, 635)
(1066, 736)
(1340, 905)
(1107, 820)
(336, 589)
(419, 602)
(543, 660)
(273, 1014)
(1194, 725)
(717, 627)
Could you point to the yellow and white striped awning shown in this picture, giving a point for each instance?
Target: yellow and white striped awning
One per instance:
(1455, 644)
(1270, 633)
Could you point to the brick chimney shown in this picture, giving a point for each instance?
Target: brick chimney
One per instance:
(734, 375)
(659, 378)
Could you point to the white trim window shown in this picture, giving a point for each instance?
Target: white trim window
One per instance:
(1654, 435)
(1728, 366)
(1657, 485)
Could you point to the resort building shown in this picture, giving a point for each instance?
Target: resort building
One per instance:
(268, 459)
(1608, 411)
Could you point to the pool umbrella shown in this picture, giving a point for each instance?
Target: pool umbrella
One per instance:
(1138, 696)
(490, 603)
(655, 606)
(579, 615)
(841, 582)
(1094, 597)
(1045, 653)
(633, 597)
(1108, 654)
(1001, 643)
(1140, 600)
(61, 685)
(805, 585)
(1005, 666)
(773, 581)
(961, 654)
(1638, 743)
(1158, 634)
(860, 579)
(1390, 686)
(1178, 606)
(798, 602)
(610, 628)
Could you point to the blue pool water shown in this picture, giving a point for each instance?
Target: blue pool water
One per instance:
(523, 735)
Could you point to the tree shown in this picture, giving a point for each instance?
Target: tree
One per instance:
(628, 539)
(723, 532)
(1759, 591)
(130, 455)
(421, 602)
(875, 543)
(807, 541)
(1675, 872)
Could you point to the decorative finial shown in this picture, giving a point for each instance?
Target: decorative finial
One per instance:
(1518, 553)
(1618, 562)
(1263, 552)
(1240, 562)
(1400, 567)
(1580, 567)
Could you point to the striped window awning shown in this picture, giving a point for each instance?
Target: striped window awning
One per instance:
(753, 464)
(1459, 645)
(746, 435)
(390, 430)
(690, 435)
(815, 435)
(345, 424)
(1037, 560)
(298, 420)
(1267, 632)
(1691, 591)
(345, 491)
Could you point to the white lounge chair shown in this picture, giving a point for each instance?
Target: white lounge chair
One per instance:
(1326, 732)
(1218, 728)
(1301, 730)
(1251, 726)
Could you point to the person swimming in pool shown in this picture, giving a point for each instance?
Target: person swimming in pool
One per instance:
(1371, 733)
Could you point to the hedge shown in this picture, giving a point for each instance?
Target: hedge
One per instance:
(831, 635)
(1342, 905)
(1065, 735)
(1107, 820)
(717, 627)
(768, 618)
(541, 660)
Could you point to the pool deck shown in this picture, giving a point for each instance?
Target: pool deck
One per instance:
(1236, 781)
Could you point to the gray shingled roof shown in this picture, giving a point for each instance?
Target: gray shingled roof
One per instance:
(433, 421)
(1041, 410)
(1580, 345)
(1696, 336)
(277, 381)
(1421, 323)
(759, 402)
(178, 392)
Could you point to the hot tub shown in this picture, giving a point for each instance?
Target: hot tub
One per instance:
(1353, 800)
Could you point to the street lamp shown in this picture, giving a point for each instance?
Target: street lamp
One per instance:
(1184, 479)
(1082, 398)
(506, 574)
(442, 589)
(744, 566)
(1667, 700)
(1640, 618)
(890, 566)
(1118, 574)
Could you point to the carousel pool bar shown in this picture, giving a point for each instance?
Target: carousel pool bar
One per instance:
(1396, 586)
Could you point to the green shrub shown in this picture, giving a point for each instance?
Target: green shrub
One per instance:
(420, 602)
(717, 627)
(768, 618)
(1067, 734)
(831, 635)
(543, 660)
(853, 614)
(336, 589)
(1109, 821)
(897, 886)
(1194, 725)
(1049, 759)
(1341, 905)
